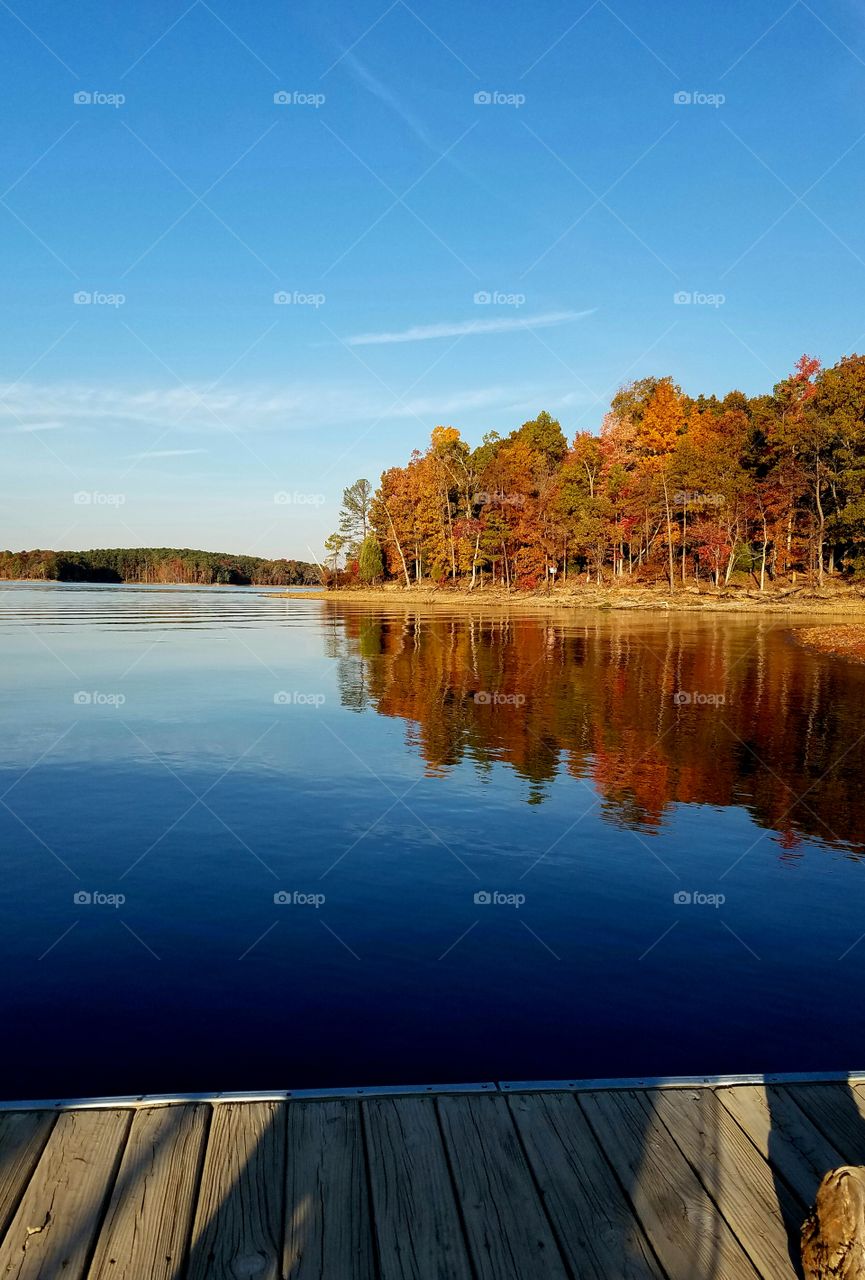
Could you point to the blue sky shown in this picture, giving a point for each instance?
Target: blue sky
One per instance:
(417, 156)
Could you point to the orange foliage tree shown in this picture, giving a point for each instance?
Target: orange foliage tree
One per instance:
(770, 485)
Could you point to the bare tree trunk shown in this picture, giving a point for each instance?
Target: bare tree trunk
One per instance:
(671, 567)
(397, 541)
(730, 562)
(821, 525)
(451, 538)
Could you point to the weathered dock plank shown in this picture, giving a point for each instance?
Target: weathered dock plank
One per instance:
(687, 1233)
(238, 1228)
(417, 1225)
(146, 1228)
(508, 1231)
(328, 1231)
(782, 1133)
(614, 1181)
(23, 1135)
(596, 1228)
(55, 1226)
(838, 1110)
(765, 1218)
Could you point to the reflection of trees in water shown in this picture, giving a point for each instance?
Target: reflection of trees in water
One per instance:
(599, 701)
(353, 656)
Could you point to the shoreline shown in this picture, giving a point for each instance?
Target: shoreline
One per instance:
(802, 600)
(846, 641)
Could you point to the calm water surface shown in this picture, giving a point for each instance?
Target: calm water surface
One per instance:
(251, 843)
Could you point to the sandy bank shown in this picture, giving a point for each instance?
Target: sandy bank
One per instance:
(835, 601)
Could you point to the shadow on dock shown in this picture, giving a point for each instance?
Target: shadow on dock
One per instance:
(661, 1183)
(813, 1128)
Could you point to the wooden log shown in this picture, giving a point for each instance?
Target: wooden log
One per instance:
(833, 1236)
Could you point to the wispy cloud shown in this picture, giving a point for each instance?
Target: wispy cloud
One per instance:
(201, 414)
(27, 427)
(169, 453)
(385, 95)
(500, 324)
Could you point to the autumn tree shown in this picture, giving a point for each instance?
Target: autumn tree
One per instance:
(834, 443)
(734, 484)
(657, 434)
(392, 516)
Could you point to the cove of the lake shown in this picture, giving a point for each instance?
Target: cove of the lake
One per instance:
(261, 843)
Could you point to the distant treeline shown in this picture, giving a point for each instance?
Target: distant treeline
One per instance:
(156, 564)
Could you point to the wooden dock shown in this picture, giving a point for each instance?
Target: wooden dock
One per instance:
(498, 1182)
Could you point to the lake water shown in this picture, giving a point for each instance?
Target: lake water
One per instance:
(258, 843)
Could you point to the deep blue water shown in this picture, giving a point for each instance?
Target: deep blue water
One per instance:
(413, 762)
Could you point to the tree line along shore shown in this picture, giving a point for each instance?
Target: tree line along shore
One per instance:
(156, 565)
(764, 491)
